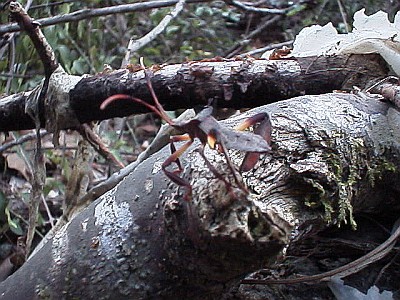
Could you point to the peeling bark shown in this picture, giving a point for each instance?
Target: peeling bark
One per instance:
(334, 156)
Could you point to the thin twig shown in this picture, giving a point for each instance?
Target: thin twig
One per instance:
(49, 215)
(28, 5)
(259, 10)
(97, 12)
(47, 5)
(31, 27)
(50, 63)
(22, 153)
(383, 270)
(11, 63)
(96, 142)
(344, 15)
(13, 75)
(135, 45)
(266, 48)
(21, 140)
(351, 268)
(231, 52)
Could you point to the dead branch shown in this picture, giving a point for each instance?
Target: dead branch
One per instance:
(136, 44)
(236, 49)
(266, 48)
(31, 27)
(230, 83)
(33, 107)
(259, 10)
(21, 140)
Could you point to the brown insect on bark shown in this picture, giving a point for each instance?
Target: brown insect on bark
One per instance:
(209, 131)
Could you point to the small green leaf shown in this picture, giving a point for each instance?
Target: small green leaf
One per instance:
(14, 225)
(204, 11)
(171, 29)
(296, 9)
(78, 67)
(64, 54)
(82, 29)
(65, 8)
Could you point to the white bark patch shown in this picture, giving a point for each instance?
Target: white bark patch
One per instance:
(115, 222)
(60, 245)
(84, 224)
(60, 114)
(157, 167)
(148, 185)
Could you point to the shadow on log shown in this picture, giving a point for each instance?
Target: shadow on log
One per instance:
(334, 156)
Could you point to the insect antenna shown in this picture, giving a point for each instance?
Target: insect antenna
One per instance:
(161, 112)
(157, 108)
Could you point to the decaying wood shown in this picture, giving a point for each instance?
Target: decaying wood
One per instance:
(334, 156)
(233, 83)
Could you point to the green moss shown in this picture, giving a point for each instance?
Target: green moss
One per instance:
(43, 292)
(322, 199)
(346, 166)
(377, 168)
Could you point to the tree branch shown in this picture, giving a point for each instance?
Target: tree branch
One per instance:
(235, 49)
(32, 28)
(260, 10)
(231, 83)
(92, 13)
(135, 45)
(266, 48)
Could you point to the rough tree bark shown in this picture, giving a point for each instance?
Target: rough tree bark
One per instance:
(230, 83)
(334, 156)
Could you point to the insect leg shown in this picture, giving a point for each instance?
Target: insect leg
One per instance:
(173, 176)
(213, 169)
(263, 129)
(213, 135)
(177, 138)
(232, 168)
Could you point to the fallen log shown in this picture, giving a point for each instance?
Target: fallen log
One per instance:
(334, 156)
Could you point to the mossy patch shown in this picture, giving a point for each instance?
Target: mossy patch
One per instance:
(338, 169)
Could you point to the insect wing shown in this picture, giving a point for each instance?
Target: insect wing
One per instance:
(244, 141)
